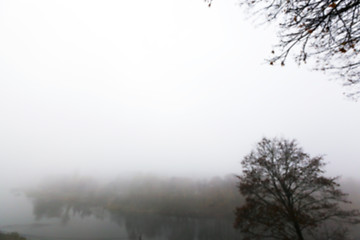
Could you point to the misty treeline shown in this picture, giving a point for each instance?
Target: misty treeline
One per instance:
(148, 203)
(180, 197)
(172, 196)
(155, 207)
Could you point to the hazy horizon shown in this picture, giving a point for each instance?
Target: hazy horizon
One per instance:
(164, 87)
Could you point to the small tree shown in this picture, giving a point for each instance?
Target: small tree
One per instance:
(286, 194)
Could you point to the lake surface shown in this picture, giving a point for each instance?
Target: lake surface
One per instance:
(52, 221)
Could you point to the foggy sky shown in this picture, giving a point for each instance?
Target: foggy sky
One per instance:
(169, 87)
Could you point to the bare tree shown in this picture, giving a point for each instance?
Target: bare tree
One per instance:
(328, 30)
(287, 195)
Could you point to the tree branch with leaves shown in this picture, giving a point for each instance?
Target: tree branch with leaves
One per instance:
(327, 31)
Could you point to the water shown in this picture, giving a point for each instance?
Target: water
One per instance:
(54, 219)
(50, 220)
(76, 228)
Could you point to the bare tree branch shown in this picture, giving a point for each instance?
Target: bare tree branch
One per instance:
(287, 196)
(327, 31)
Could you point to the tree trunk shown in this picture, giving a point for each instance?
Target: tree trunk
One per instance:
(298, 230)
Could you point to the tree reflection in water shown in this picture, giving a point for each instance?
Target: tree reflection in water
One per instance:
(52, 208)
(152, 226)
(149, 226)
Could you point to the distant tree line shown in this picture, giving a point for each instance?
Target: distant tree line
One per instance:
(182, 197)
(176, 196)
(283, 195)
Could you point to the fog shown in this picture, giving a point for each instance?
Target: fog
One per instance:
(141, 206)
(171, 88)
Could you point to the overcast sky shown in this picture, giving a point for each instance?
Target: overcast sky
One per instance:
(161, 86)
